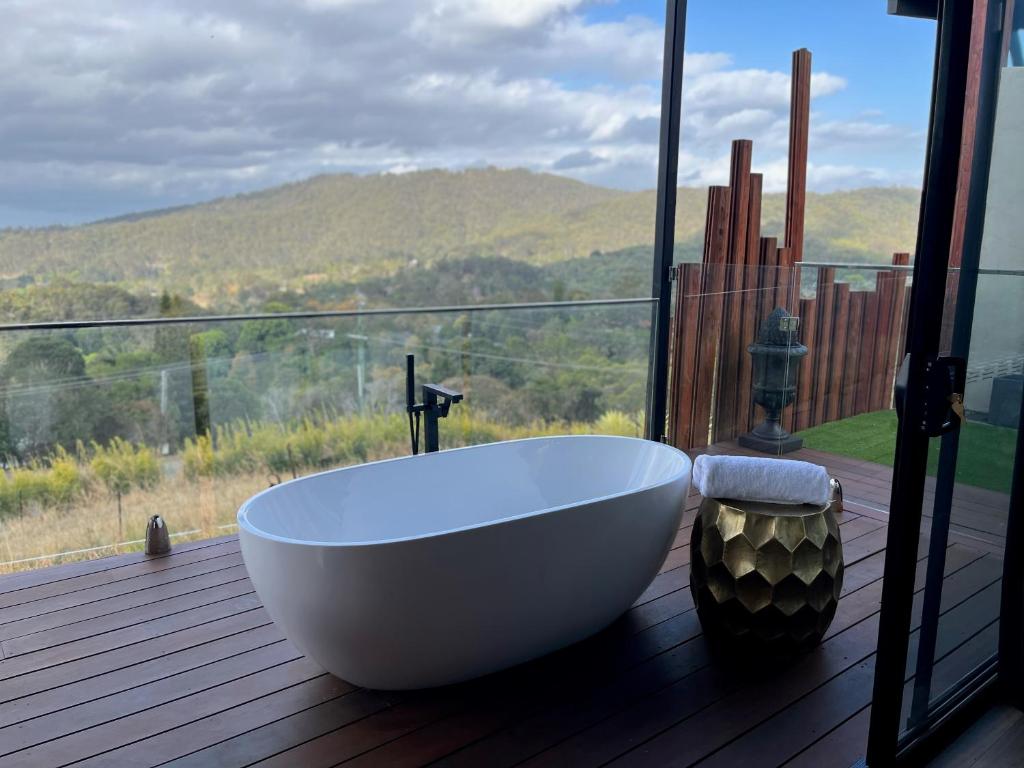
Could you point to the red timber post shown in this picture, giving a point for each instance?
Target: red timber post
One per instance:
(727, 419)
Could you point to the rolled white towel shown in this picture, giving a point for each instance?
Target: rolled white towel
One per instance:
(747, 478)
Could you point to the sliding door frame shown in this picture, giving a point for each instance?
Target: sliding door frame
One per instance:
(934, 720)
(665, 217)
(974, 225)
(931, 264)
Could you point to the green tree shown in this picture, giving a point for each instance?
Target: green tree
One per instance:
(260, 336)
(48, 398)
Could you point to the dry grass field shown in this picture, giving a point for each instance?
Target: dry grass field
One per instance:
(192, 510)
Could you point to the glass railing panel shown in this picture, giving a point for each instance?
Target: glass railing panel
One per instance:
(838, 343)
(103, 427)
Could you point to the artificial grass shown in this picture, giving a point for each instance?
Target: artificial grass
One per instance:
(985, 457)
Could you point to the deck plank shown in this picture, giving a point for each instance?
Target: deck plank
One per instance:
(124, 638)
(48, 700)
(137, 660)
(101, 710)
(130, 570)
(109, 740)
(115, 592)
(996, 740)
(719, 726)
(649, 677)
(25, 579)
(182, 640)
(123, 626)
(137, 603)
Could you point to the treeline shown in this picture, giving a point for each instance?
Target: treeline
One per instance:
(158, 386)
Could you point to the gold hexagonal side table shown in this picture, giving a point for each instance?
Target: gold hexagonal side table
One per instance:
(767, 574)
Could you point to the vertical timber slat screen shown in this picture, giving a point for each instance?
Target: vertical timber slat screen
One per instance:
(854, 338)
(883, 327)
(799, 127)
(900, 308)
(709, 330)
(744, 402)
(805, 385)
(868, 341)
(687, 314)
(726, 420)
(837, 368)
(823, 343)
(784, 292)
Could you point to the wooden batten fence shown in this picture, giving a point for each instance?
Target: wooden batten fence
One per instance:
(854, 337)
(854, 340)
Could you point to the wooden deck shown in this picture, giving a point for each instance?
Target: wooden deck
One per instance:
(137, 660)
(996, 740)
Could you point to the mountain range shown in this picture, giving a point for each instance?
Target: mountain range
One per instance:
(346, 227)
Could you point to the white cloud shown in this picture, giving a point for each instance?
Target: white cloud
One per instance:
(720, 89)
(722, 103)
(493, 13)
(112, 106)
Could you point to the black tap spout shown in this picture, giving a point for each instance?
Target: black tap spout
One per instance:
(447, 397)
(437, 401)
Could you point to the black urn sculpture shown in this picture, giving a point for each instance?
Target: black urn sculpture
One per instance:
(775, 358)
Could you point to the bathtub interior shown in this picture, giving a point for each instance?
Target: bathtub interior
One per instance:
(430, 494)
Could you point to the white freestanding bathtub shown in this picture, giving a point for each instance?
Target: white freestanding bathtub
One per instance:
(432, 569)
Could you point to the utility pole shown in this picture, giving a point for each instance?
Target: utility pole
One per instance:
(165, 447)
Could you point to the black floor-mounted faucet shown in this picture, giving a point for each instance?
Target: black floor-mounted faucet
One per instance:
(437, 400)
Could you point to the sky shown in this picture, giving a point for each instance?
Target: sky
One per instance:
(114, 106)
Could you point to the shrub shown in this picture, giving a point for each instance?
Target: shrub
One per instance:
(197, 457)
(619, 423)
(122, 467)
(57, 483)
(66, 480)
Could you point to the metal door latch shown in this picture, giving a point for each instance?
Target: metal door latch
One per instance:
(956, 403)
(943, 401)
(939, 408)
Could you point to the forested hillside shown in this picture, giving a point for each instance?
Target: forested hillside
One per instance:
(346, 227)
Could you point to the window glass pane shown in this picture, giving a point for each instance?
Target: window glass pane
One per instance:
(103, 427)
(991, 336)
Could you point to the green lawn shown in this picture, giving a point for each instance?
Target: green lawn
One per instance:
(985, 457)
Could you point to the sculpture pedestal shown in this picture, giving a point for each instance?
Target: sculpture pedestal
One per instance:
(770, 437)
(767, 574)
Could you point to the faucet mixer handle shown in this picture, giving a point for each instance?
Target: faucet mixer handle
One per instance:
(443, 392)
(433, 392)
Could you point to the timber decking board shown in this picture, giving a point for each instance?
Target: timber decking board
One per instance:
(141, 661)
(24, 579)
(125, 572)
(996, 740)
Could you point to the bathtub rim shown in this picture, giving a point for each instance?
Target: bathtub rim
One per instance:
(248, 527)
